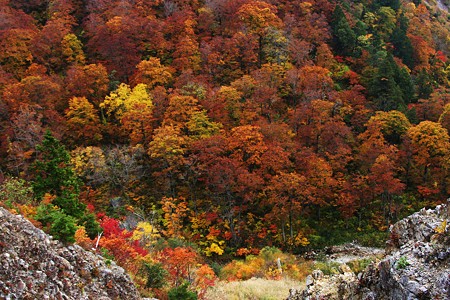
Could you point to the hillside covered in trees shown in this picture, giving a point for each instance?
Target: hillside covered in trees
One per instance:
(226, 126)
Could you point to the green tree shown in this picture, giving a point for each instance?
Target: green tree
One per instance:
(401, 42)
(54, 175)
(382, 86)
(344, 38)
(182, 293)
(405, 83)
(394, 4)
(56, 222)
(156, 275)
(424, 84)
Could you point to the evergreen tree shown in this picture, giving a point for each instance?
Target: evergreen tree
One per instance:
(394, 4)
(54, 175)
(424, 84)
(57, 223)
(344, 38)
(401, 42)
(382, 86)
(406, 84)
(181, 293)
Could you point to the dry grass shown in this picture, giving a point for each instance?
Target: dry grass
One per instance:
(253, 289)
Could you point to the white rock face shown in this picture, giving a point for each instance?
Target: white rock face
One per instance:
(33, 266)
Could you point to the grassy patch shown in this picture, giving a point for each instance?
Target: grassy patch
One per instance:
(327, 267)
(360, 265)
(253, 289)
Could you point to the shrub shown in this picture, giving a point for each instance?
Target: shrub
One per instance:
(270, 253)
(265, 265)
(16, 191)
(359, 265)
(90, 224)
(57, 223)
(181, 293)
(402, 263)
(156, 275)
(328, 268)
(63, 228)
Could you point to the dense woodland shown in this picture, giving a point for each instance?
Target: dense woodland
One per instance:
(224, 125)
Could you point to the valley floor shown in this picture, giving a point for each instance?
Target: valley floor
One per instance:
(253, 289)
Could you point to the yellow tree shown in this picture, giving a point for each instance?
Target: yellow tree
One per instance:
(72, 49)
(430, 149)
(152, 73)
(146, 234)
(186, 114)
(199, 126)
(89, 163)
(175, 211)
(133, 109)
(444, 119)
(83, 123)
(167, 150)
(393, 124)
(258, 16)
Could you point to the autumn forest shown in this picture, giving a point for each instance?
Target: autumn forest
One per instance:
(221, 127)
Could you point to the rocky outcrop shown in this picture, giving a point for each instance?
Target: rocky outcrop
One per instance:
(33, 266)
(416, 265)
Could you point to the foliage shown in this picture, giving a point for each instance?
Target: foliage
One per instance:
(90, 224)
(156, 275)
(402, 263)
(179, 262)
(327, 267)
(53, 173)
(83, 121)
(265, 265)
(60, 225)
(205, 278)
(146, 234)
(56, 183)
(227, 126)
(82, 239)
(360, 265)
(181, 293)
(16, 191)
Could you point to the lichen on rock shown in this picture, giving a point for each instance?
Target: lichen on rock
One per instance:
(34, 266)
